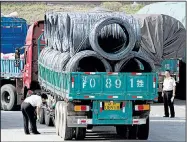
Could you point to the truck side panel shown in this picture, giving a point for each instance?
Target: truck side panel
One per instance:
(8, 69)
(98, 86)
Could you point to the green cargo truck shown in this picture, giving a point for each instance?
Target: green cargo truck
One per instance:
(80, 100)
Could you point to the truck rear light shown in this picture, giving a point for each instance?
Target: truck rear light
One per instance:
(72, 82)
(142, 107)
(81, 108)
(112, 73)
(134, 73)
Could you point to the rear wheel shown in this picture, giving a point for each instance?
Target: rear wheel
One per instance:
(65, 132)
(143, 131)
(122, 131)
(8, 97)
(57, 120)
(48, 118)
(42, 116)
(132, 132)
(80, 133)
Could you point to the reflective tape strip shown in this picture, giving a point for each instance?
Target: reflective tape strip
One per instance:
(6, 26)
(112, 73)
(101, 107)
(86, 97)
(110, 97)
(17, 26)
(178, 65)
(84, 121)
(139, 121)
(154, 84)
(72, 84)
(89, 72)
(134, 73)
(139, 97)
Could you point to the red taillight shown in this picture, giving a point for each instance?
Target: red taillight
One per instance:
(134, 97)
(140, 107)
(83, 108)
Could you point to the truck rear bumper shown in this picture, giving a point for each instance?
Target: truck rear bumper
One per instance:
(82, 121)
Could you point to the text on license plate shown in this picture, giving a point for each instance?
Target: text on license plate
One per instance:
(111, 106)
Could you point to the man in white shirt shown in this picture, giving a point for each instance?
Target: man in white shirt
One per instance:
(29, 107)
(168, 94)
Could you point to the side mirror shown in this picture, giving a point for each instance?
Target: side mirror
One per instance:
(17, 57)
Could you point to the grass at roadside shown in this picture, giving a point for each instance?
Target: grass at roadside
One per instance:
(33, 11)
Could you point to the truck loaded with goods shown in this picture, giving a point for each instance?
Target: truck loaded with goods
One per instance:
(13, 34)
(98, 69)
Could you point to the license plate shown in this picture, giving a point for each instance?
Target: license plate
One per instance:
(111, 106)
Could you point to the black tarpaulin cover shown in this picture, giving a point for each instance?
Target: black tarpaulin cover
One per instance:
(162, 37)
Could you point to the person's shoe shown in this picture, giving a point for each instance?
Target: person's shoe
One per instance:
(36, 133)
(165, 116)
(27, 133)
(172, 117)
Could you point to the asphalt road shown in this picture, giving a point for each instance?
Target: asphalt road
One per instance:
(161, 129)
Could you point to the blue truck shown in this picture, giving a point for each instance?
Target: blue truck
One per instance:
(13, 35)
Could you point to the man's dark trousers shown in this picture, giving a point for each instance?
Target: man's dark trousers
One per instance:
(28, 112)
(167, 102)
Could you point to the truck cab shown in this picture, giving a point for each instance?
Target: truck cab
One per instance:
(30, 70)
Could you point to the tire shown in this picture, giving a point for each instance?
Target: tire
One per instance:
(48, 119)
(8, 97)
(89, 127)
(125, 25)
(42, 116)
(80, 133)
(122, 131)
(66, 133)
(143, 131)
(57, 117)
(132, 132)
